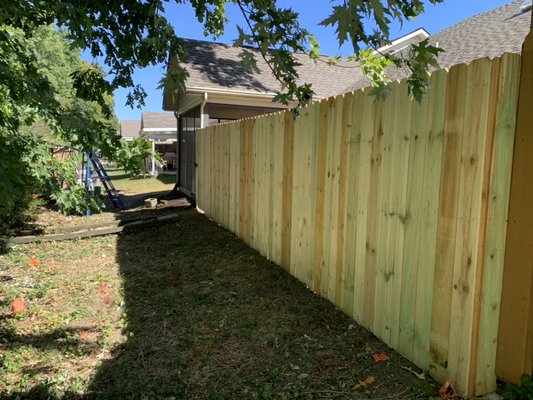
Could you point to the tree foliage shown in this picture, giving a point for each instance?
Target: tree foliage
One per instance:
(41, 110)
(133, 33)
(73, 105)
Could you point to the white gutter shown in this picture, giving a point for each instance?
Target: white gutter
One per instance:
(526, 6)
(420, 32)
(240, 93)
(159, 130)
(217, 93)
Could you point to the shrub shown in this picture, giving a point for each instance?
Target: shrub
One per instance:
(524, 392)
(132, 156)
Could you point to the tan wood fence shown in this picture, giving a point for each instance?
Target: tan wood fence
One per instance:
(515, 339)
(394, 211)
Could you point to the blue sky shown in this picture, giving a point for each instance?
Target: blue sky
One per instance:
(436, 18)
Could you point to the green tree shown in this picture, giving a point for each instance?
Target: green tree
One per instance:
(30, 130)
(133, 33)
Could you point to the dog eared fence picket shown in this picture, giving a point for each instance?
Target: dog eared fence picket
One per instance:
(394, 211)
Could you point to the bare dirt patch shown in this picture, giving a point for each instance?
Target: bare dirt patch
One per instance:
(133, 192)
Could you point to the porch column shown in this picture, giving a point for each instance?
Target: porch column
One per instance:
(153, 160)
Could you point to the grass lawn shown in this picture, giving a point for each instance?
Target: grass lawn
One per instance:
(183, 310)
(129, 186)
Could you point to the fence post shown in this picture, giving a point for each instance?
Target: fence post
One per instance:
(515, 335)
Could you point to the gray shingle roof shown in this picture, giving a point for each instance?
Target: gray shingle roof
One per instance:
(490, 34)
(130, 128)
(217, 66)
(158, 120)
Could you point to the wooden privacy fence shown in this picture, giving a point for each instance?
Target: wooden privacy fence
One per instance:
(395, 211)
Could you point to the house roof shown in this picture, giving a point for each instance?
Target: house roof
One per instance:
(130, 128)
(215, 66)
(489, 34)
(158, 121)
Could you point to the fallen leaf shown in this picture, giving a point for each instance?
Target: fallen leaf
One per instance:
(447, 391)
(17, 306)
(380, 357)
(103, 288)
(84, 334)
(34, 262)
(362, 384)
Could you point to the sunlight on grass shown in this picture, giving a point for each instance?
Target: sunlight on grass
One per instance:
(123, 182)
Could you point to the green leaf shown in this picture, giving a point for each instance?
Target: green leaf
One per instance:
(248, 61)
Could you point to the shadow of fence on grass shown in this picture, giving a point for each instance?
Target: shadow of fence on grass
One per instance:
(207, 317)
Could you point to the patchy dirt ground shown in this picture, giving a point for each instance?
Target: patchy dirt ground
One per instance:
(183, 310)
(133, 193)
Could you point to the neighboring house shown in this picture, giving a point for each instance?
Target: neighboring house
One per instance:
(219, 88)
(161, 128)
(129, 129)
(158, 127)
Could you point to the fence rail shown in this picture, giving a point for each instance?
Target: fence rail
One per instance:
(394, 211)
